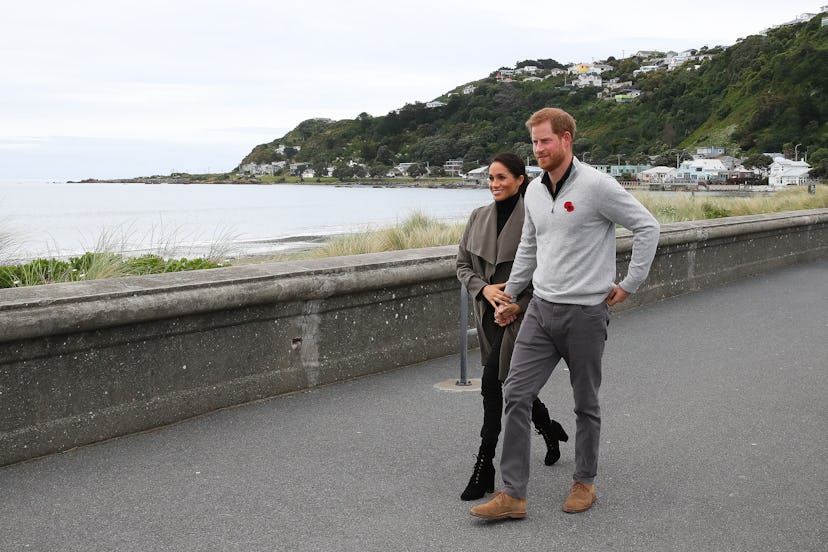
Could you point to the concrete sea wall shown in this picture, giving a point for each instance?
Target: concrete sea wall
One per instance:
(88, 361)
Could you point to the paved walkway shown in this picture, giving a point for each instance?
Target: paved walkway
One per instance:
(715, 437)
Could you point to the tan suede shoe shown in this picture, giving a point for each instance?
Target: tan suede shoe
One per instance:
(581, 498)
(502, 506)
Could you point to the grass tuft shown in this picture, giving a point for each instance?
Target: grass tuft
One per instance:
(698, 207)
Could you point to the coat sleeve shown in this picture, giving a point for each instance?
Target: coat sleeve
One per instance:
(465, 269)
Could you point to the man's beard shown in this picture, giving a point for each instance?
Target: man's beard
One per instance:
(552, 162)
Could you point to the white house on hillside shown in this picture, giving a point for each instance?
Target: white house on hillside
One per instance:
(587, 79)
(701, 170)
(645, 69)
(784, 172)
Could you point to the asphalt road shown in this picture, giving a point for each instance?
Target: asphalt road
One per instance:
(715, 438)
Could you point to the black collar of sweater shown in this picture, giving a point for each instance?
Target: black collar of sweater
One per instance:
(559, 186)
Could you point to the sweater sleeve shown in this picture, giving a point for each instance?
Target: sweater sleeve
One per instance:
(622, 208)
(525, 261)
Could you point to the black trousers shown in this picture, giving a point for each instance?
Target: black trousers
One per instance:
(491, 388)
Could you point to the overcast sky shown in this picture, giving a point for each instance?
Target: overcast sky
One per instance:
(113, 89)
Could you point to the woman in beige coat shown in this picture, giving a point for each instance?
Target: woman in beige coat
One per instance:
(484, 260)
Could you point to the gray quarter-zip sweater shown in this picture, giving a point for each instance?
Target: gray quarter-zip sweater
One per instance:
(567, 246)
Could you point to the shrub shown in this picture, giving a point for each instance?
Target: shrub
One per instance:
(712, 211)
(94, 266)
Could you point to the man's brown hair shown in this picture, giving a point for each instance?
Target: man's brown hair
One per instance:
(561, 120)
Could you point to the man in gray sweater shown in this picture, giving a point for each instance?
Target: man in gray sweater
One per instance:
(567, 251)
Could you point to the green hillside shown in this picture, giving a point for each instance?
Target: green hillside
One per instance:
(763, 94)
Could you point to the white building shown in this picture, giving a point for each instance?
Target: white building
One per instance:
(479, 176)
(262, 168)
(784, 172)
(658, 174)
(645, 69)
(701, 170)
(588, 79)
(453, 166)
(710, 151)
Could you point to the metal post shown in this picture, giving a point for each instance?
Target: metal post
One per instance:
(464, 335)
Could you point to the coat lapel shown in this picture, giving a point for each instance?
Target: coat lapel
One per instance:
(482, 240)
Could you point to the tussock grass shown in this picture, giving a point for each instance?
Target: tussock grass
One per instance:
(415, 231)
(698, 207)
(109, 259)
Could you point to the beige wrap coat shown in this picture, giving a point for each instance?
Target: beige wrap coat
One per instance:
(485, 258)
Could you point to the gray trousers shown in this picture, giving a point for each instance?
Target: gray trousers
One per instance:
(551, 332)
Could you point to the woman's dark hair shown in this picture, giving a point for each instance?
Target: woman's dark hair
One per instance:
(515, 166)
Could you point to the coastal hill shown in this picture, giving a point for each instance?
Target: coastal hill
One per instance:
(766, 93)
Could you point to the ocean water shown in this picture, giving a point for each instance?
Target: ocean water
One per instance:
(55, 219)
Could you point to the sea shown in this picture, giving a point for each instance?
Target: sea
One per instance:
(61, 219)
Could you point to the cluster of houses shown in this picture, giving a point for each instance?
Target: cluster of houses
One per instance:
(781, 172)
(708, 166)
(589, 74)
(584, 75)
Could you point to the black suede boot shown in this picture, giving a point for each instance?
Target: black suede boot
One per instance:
(482, 479)
(551, 431)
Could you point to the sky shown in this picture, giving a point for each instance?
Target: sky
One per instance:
(113, 89)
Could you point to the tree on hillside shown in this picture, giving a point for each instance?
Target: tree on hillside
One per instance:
(475, 157)
(671, 158)
(320, 168)
(416, 170)
(378, 170)
(385, 156)
(436, 150)
(524, 151)
(819, 163)
(757, 161)
(343, 171)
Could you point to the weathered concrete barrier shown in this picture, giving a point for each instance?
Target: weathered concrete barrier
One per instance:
(88, 361)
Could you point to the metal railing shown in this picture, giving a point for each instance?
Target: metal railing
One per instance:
(465, 334)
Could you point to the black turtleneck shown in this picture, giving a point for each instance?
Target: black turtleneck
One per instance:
(504, 210)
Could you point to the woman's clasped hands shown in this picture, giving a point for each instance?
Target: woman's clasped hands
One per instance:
(506, 312)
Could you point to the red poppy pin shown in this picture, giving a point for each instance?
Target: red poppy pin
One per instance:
(569, 207)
